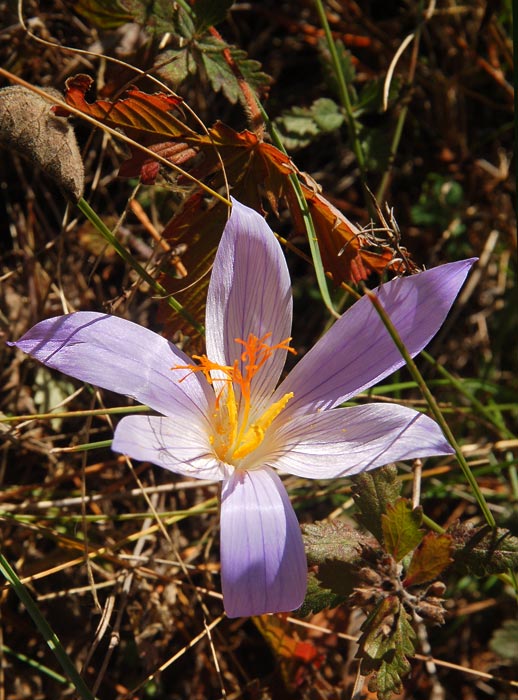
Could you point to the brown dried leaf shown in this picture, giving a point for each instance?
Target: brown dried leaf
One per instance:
(28, 126)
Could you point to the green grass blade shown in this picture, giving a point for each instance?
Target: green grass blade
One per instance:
(45, 630)
(108, 236)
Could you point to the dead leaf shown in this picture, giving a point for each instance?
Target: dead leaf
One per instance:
(28, 126)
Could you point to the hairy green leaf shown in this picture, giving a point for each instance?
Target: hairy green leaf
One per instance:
(387, 639)
(160, 16)
(105, 14)
(177, 65)
(401, 528)
(318, 597)
(328, 69)
(333, 540)
(210, 12)
(484, 550)
(221, 64)
(336, 549)
(372, 493)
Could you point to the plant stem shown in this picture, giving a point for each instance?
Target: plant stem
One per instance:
(343, 91)
(127, 257)
(308, 221)
(434, 408)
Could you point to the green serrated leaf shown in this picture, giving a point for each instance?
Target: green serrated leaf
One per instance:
(105, 14)
(348, 69)
(333, 540)
(208, 13)
(482, 551)
(318, 597)
(372, 492)
(401, 528)
(160, 17)
(176, 65)
(211, 54)
(250, 69)
(336, 549)
(386, 642)
(299, 121)
(300, 125)
(220, 75)
(327, 114)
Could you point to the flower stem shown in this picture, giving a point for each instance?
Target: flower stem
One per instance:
(434, 408)
(343, 91)
(308, 221)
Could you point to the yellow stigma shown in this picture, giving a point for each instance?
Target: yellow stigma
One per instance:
(234, 437)
(255, 433)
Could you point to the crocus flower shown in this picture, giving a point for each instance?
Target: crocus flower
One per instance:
(222, 416)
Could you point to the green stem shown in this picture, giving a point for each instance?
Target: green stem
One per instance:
(434, 408)
(380, 194)
(432, 525)
(45, 630)
(127, 257)
(306, 215)
(343, 91)
(45, 670)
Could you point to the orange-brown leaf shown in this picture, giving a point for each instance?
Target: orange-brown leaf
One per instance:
(136, 111)
(429, 560)
(293, 654)
(255, 171)
(197, 229)
(343, 247)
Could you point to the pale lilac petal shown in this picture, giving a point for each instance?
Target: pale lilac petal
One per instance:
(346, 441)
(177, 444)
(358, 351)
(263, 564)
(121, 356)
(249, 293)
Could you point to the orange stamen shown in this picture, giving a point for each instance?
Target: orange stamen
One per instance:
(234, 438)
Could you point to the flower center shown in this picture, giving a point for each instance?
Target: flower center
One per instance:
(235, 435)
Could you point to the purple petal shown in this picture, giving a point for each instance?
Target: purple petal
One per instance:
(358, 351)
(121, 356)
(346, 441)
(263, 564)
(178, 444)
(249, 293)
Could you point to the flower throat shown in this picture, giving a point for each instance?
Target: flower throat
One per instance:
(234, 437)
